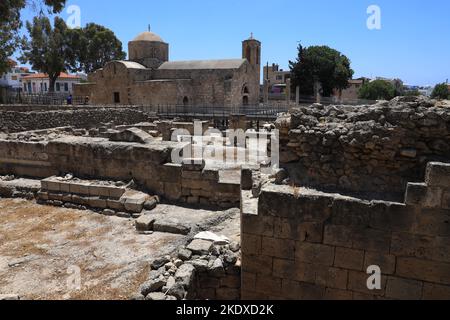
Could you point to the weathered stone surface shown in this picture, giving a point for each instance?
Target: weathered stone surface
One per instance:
(374, 148)
(160, 262)
(217, 268)
(145, 223)
(152, 286)
(185, 275)
(200, 265)
(200, 247)
(184, 254)
(10, 297)
(171, 226)
(178, 291)
(151, 204)
(156, 296)
(132, 135)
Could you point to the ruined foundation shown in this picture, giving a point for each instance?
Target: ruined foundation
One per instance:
(359, 187)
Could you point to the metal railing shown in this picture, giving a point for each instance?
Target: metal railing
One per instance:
(41, 98)
(217, 112)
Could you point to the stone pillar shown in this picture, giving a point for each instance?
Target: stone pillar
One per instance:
(297, 95)
(266, 91)
(288, 91)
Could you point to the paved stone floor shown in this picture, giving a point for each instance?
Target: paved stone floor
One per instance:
(42, 247)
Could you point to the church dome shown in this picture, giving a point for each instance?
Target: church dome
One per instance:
(148, 36)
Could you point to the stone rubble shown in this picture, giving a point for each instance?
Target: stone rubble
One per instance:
(201, 270)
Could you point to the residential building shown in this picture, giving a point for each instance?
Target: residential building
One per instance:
(12, 80)
(352, 92)
(276, 80)
(40, 83)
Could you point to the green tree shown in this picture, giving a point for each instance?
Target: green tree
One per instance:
(320, 65)
(10, 24)
(441, 91)
(48, 48)
(377, 90)
(412, 93)
(92, 47)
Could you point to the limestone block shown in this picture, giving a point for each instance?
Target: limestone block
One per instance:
(116, 192)
(349, 259)
(53, 185)
(79, 188)
(145, 223)
(97, 202)
(132, 135)
(416, 193)
(171, 172)
(403, 289)
(134, 205)
(185, 275)
(438, 175)
(134, 201)
(200, 247)
(316, 253)
(193, 164)
(64, 187)
(172, 191)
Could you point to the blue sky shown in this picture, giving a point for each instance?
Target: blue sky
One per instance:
(413, 43)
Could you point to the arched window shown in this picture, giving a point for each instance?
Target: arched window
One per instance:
(246, 90)
(185, 101)
(245, 101)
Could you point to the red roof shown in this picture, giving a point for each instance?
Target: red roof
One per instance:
(45, 76)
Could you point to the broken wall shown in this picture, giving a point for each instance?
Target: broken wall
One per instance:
(11, 121)
(372, 149)
(150, 165)
(305, 244)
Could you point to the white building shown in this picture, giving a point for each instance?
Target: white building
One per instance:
(13, 78)
(39, 83)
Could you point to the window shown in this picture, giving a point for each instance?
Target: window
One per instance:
(185, 101)
(116, 97)
(45, 87)
(29, 87)
(42, 87)
(25, 87)
(279, 77)
(66, 86)
(58, 86)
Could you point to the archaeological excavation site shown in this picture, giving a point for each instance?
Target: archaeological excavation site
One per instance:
(109, 202)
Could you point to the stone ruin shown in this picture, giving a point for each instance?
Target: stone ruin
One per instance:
(358, 186)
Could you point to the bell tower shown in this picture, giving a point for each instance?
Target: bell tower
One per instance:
(251, 50)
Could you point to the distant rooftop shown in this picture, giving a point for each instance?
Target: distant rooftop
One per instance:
(45, 76)
(203, 64)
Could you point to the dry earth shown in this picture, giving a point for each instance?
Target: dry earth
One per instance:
(41, 247)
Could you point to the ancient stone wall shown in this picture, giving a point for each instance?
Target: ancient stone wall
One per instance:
(376, 148)
(305, 244)
(11, 121)
(149, 165)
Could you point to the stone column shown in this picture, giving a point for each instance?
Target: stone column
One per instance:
(288, 91)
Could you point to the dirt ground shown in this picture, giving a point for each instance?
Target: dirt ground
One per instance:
(44, 249)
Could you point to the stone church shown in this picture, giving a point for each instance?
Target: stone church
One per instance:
(149, 78)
